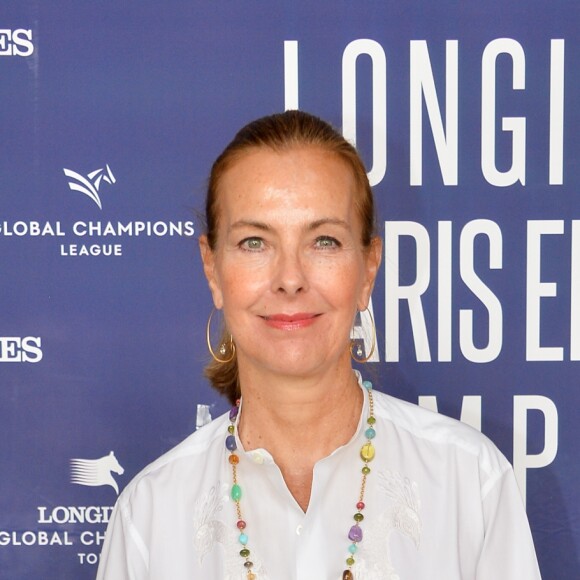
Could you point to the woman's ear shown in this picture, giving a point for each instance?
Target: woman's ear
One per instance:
(373, 258)
(209, 268)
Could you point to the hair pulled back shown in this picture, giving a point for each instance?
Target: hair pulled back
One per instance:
(279, 132)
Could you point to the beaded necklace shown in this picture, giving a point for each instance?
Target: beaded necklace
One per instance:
(355, 534)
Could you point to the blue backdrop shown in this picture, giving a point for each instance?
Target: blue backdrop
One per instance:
(110, 116)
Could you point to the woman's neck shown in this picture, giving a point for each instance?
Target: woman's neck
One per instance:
(299, 407)
(299, 421)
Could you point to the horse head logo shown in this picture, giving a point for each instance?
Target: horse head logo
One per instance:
(90, 185)
(96, 472)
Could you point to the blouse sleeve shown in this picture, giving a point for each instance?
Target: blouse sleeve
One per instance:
(508, 548)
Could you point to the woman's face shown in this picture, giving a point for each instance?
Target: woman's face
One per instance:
(289, 268)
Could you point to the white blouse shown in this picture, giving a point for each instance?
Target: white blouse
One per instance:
(441, 504)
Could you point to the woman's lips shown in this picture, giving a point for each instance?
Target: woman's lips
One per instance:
(290, 321)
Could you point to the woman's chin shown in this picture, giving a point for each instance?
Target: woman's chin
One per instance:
(292, 362)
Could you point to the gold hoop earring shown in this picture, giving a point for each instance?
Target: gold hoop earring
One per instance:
(357, 355)
(223, 348)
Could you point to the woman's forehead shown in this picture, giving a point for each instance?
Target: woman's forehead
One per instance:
(294, 169)
(291, 180)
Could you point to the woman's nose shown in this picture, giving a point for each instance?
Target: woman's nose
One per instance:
(289, 275)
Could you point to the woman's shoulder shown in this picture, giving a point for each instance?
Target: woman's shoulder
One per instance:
(434, 429)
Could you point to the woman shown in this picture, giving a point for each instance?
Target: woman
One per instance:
(313, 475)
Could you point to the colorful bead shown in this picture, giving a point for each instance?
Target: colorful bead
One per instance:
(243, 539)
(248, 564)
(360, 505)
(355, 533)
(234, 413)
(370, 433)
(231, 444)
(367, 452)
(367, 385)
(251, 576)
(231, 429)
(371, 420)
(236, 492)
(358, 517)
(241, 524)
(234, 459)
(353, 548)
(350, 561)
(347, 575)
(244, 552)
(366, 470)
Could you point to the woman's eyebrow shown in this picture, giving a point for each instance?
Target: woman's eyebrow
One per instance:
(249, 224)
(328, 221)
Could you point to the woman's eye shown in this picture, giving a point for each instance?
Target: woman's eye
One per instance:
(252, 244)
(327, 242)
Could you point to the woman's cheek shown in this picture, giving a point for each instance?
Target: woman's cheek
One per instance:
(244, 284)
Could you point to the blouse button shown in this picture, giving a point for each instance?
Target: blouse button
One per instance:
(258, 458)
(299, 530)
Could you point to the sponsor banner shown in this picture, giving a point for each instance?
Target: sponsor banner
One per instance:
(110, 119)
